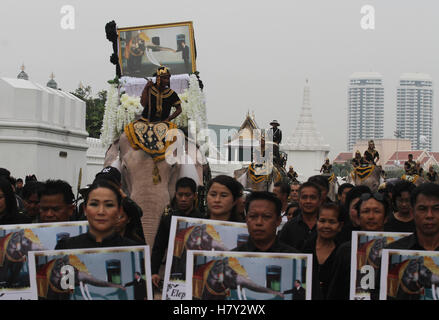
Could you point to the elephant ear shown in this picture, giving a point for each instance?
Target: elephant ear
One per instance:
(78, 264)
(431, 265)
(31, 236)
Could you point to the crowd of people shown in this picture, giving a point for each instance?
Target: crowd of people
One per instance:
(294, 218)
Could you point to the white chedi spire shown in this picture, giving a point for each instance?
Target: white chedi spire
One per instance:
(305, 137)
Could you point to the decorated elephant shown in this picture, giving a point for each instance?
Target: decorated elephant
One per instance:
(415, 179)
(49, 279)
(369, 176)
(333, 186)
(14, 248)
(152, 157)
(215, 279)
(408, 279)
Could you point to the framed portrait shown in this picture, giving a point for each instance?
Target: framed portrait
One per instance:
(143, 49)
(196, 234)
(366, 262)
(17, 242)
(248, 276)
(409, 275)
(117, 273)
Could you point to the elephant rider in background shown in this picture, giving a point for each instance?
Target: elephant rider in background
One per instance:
(292, 175)
(432, 175)
(371, 154)
(419, 169)
(326, 167)
(276, 134)
(358, 160)
(410, 166)
(158, 98)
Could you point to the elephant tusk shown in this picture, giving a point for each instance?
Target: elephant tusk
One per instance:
(243, 294)
(81, 286)
(433, 290)
(88, 293)
(238, 290)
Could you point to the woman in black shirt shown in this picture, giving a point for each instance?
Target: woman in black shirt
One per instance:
(102, 207)
(323, 247)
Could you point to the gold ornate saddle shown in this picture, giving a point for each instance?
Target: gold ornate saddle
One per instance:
(151, 137)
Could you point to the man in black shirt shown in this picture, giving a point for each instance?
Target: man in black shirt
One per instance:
(185, 193)
(263, 217)
(425, 203)
(373, 210)
(296, 231)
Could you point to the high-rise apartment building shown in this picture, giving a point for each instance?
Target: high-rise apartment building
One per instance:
(414, 110)
(365, 107)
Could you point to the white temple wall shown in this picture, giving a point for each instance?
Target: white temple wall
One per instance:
(42, 131)
(306, 163)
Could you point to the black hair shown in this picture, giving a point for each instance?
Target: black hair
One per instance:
(309, 184)
(32, 187)
(284, 187)
(54, 187)
(186, 182)
(320, 180)
(344, 186)
(400, 187)
(8, 193)
(428, 189)
(293, 204)
(236, 188)
(385, 202)
(103, 183)
(19, 180)
(356, 192)
(332, 206)
(264, 195)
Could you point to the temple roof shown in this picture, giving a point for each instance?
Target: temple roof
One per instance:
(23, 75)
(305, 137)
(246, 132)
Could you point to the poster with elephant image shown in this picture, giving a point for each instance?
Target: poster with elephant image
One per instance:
(196, 234)
(16, 241)
(248, 276)
(409, 275)
(366, 261)
(118, 273)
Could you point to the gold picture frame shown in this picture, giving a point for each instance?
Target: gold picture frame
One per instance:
(143, 49)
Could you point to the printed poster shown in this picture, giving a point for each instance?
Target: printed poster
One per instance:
(196, 234)
(409, 275)
(248, 276)
(118, 273)
(16, 241)
(366, 262)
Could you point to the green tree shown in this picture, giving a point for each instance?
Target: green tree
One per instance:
(95, 107)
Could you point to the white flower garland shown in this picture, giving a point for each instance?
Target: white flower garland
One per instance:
(118, 114)
(108, 130)
(193, 104)
(127, 111)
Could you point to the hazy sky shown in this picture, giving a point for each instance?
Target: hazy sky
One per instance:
(252, 55)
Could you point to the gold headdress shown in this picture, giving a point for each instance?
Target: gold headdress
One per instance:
(78, 264)
(236, 266)
(31, 236)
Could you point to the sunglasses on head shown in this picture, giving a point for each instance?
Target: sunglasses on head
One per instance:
(377, 196)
